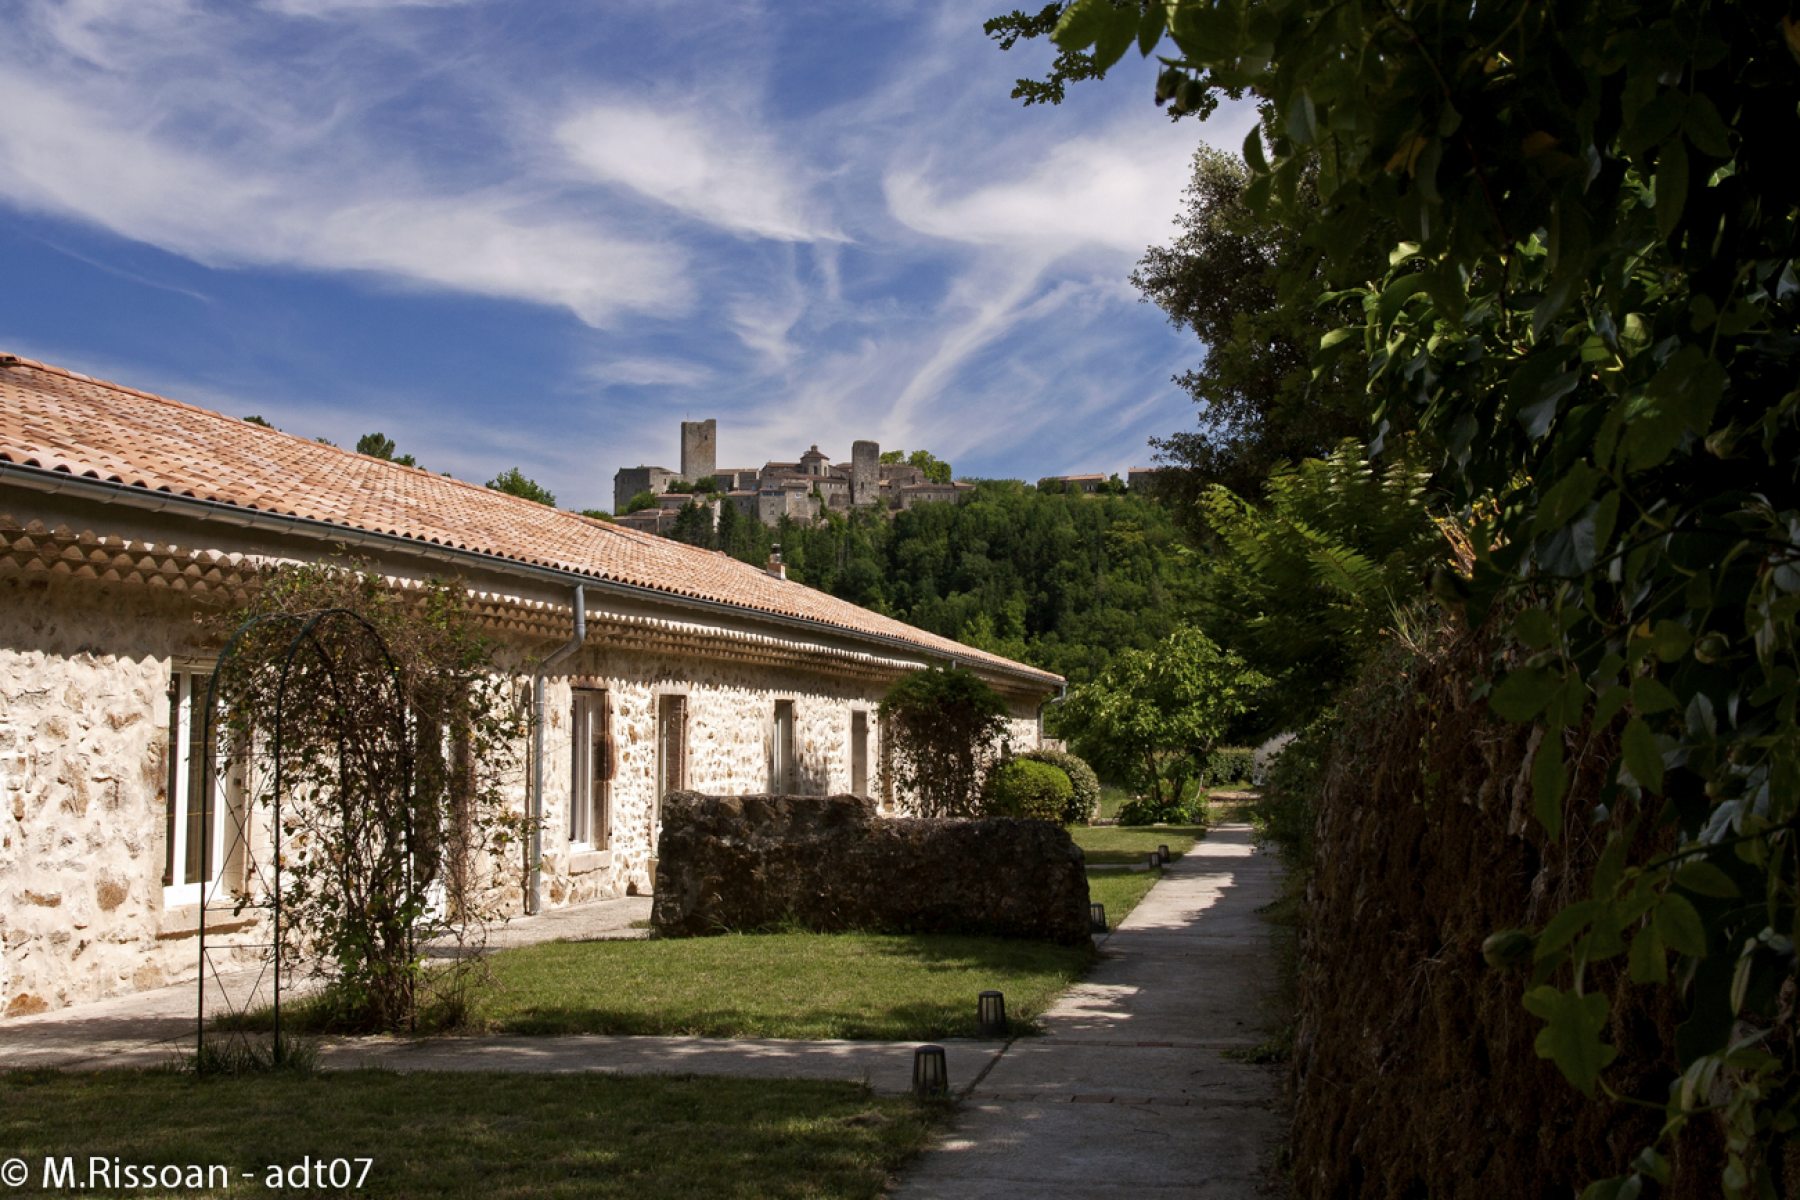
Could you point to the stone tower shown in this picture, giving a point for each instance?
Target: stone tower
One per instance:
(865, 474)
(699, 449)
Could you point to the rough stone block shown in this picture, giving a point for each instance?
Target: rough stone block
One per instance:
(830, 863)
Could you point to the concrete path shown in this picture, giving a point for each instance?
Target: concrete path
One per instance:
(1131, 1093)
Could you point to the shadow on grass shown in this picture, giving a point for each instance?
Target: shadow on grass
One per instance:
(1129, 845)
(778, 985)
(481, 1136)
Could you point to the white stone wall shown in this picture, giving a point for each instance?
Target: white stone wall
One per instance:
(84, 677)
(83, 757)
(730, 709)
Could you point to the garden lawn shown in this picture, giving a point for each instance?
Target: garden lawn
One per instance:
(786, 985)
(1132, 844)
(1120, 891)
(480, 1136)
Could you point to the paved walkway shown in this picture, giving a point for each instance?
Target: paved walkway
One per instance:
(1131, 1093)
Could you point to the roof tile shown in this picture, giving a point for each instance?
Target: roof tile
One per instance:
(56, 419)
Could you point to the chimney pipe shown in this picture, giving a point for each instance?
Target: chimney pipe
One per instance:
(776, 567)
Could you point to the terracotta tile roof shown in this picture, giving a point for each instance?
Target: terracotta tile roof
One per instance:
(55, 419)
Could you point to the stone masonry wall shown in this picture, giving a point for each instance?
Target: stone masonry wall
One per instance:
(84, 677)
(730, 710)
(829, 863)
(83, 753)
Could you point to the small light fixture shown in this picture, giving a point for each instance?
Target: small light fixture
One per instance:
(1164, 851)
(1097, 918)
(990, 1014)
(1155, 860)
(931, 1076)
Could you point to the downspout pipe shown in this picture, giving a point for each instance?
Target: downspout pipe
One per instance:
(534, 844)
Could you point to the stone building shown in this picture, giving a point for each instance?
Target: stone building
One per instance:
(802, 490)
(124, 516)
(1085, 484)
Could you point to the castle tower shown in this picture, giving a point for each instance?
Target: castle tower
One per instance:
(865, 474)
(699, 449)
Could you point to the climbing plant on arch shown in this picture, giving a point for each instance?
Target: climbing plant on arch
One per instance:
(374, 740)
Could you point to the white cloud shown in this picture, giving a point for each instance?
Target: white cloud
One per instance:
(333, 8)
(866, 241)
(1113, 192)
(66, 158)
(649, 372)
(722, 171)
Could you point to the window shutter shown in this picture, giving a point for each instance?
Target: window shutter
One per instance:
(679, 730)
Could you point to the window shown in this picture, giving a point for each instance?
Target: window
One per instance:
(590, 794)
(781, 758)
(199, 794)
(859, 753)
(671, 747)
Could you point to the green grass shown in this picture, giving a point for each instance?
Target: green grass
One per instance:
(790, 985)
(1112, 797)
(1120, 891)
(1105, 844)
(475, 1136)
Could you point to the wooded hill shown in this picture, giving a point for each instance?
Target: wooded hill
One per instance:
(1059, 581)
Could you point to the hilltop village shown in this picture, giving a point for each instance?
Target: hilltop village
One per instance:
(802, 490)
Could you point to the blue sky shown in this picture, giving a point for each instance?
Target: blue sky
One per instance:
(534, 233)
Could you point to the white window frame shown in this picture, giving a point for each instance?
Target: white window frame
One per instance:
(187, 692)
(859, 753)
(671, 709)
(784, 777)
(586, 809)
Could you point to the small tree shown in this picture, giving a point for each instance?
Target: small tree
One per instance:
(1152, 716)
(380, 445)
(515, 482)
(945, 728)
(396, 739)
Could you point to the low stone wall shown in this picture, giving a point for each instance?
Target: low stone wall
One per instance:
(830, 863)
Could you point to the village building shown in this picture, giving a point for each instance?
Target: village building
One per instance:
(1142, 479)
(802, 490)
(125, 517)
(1088, 485)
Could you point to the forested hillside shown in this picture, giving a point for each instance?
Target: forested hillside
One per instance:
(1058, 581)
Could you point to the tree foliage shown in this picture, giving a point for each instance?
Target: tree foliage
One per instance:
(380, 445)
(1151, 717)
(1061, 582)
(1304, 583)
(1590, 306)
(945, 729)
(1245, 282)
(515, 482)
(936, 469)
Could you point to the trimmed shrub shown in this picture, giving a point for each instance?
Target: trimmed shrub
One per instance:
(1084, 800)
(1141, 810)
(1023, 788)
(1227, 764)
